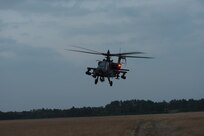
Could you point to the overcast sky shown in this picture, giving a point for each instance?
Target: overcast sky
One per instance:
(36, 71)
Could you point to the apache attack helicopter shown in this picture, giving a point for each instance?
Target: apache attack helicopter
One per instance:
(107, 68)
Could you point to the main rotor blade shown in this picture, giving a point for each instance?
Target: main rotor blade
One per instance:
(126, 53)
(84, 52)
(139, 57)
(85, 49)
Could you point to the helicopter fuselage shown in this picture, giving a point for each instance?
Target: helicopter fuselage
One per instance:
(107, 69)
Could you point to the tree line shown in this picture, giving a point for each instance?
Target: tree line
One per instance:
(128, 107)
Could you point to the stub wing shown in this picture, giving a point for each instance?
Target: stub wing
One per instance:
(89, 68)
(123, 70)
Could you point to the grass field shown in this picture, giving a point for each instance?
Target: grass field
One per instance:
(181, 124)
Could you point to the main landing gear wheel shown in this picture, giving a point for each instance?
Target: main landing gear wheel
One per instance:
(111, 83)
(96, 80)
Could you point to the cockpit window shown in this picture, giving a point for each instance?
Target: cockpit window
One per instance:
(101, 64)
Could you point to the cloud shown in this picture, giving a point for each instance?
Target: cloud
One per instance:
(157, 27)
(5, 52)
(8, 55)
(11, 49)
(148, 26)
(34, 33)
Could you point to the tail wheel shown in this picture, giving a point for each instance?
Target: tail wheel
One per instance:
(102, 79)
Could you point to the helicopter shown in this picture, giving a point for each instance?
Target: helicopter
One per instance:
(107, 68)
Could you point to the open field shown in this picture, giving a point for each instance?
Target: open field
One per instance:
(181, 124)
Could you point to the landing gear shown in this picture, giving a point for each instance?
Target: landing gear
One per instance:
(102, 79)
(110, 82)
(117, 76)
(96, 80)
